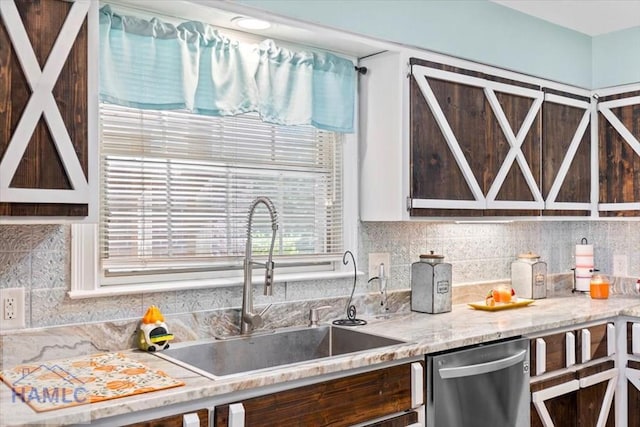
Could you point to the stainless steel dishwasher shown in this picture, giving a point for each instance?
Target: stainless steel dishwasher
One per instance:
(480, 386)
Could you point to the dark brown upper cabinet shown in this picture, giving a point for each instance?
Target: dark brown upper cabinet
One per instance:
(482, 145)
(442, 137)
(44, 104)
(566, 154)
(619, 154)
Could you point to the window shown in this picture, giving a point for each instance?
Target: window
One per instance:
(176, 188)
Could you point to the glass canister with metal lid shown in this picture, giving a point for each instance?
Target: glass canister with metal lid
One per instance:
(431, 284)
(529, 276)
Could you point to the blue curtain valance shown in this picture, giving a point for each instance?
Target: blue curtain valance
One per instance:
(156, 65)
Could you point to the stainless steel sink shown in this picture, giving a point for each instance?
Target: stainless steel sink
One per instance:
(282, 347)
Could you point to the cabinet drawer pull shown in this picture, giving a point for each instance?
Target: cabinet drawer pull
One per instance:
(417, 385)
(190, 420)
(236, 415)
(586, 345)
(570, 356)
(611, 339)
(541, 356)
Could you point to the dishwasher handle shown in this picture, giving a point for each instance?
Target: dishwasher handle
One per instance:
(482, 368)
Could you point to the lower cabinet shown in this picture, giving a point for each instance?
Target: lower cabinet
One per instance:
(386, 398)
(180, 420)
(633, 393)
(582, 397)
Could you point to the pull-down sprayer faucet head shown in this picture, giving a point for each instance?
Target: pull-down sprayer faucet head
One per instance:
(248, 318)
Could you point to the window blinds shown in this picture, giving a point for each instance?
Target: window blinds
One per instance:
(177, 187)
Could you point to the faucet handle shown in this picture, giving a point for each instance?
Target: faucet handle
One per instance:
(313, 314)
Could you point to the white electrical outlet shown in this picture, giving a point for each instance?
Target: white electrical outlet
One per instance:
(377, 258)
(12, 306)
(620, 265)
(9, 308)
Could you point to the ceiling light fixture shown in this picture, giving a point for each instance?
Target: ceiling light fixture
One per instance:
(251, 23)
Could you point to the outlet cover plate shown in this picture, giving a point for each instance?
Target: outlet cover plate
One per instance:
(18, 320)
(377, 258)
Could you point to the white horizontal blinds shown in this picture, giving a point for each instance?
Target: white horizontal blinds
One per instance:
(177, 188)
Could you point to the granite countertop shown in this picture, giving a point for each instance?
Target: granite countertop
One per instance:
(424, 333)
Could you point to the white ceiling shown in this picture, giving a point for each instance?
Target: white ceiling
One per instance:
(591, 17)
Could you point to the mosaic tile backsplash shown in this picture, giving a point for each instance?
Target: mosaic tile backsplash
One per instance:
(37, 257)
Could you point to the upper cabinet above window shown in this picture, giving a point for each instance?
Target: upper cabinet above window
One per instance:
(47, 130)
(447, 138)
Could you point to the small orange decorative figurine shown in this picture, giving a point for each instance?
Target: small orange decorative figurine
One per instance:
(153, 333)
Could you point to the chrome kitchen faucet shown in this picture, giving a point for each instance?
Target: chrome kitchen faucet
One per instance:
(248, 319)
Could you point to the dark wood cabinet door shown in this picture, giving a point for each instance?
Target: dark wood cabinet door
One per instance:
(174, 420)
(474, 143)
(340, 402)
(40, 165)
(435, 172)
(555, 353)
(566, 154)
(562, 406)
(574, 398)
(619, 156)
(598, 342)
(592, 399)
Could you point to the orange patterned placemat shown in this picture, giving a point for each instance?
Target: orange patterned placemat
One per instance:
(87, 379)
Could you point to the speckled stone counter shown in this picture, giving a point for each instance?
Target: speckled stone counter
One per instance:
(424, 333)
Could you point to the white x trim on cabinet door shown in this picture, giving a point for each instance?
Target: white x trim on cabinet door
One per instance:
(605, 109)
(42, 82)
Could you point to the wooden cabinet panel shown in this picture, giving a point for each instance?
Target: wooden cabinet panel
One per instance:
(561, 124)
(459, 143)
(403, 420)
(572, 404)
(619, 163)
(563, 409)
(41, 166)
(591, 400)
(556, 351)
(174, 420)
(598, 342)
(340, 402)
(434, 172)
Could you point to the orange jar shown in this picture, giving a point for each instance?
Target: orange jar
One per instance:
(599, 287)
(502, 294)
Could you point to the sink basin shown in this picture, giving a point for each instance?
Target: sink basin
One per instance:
(282, 347)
